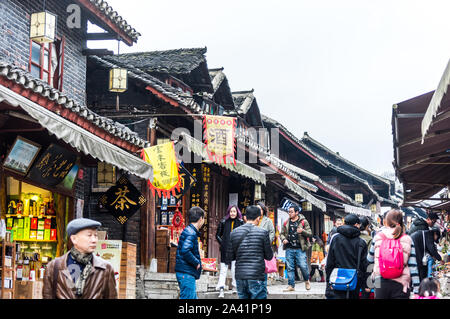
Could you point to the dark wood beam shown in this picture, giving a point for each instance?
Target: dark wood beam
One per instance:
(97, 52)
(101, 36)
(410, 115)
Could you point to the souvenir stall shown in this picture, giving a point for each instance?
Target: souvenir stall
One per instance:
(37, 202)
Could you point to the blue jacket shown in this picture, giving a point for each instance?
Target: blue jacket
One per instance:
(188, 256)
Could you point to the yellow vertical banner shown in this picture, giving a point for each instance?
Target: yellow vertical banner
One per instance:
(165, 169)
(219, 135)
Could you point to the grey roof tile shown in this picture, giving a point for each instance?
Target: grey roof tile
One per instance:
(38, 86)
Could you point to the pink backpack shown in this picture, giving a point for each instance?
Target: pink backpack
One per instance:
(391, 257)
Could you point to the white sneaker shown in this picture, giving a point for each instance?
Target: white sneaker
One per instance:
(221, 293)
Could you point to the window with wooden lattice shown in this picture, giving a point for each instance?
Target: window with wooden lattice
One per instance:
(47, 62)
(106, 174)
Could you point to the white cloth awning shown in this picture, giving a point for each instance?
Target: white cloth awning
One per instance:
(304, 194)
(435, 102)
(78, 137)
(357, 210)
(198, 148)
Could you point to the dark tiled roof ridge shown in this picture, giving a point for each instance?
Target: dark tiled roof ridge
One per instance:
(26, 80)
(340, 157)
(172, 93)
(200, 50)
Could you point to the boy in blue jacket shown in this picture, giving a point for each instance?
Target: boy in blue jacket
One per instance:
(188, 265)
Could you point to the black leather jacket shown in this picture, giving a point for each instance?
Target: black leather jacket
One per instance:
(251, 252)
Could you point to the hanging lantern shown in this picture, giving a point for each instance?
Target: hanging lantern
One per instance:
(306, 206)
(359, 198)
(118, 80)
(373, 208)
(43, 27)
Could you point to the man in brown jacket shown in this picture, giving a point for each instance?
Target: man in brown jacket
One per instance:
(79, 274)
(295, 234)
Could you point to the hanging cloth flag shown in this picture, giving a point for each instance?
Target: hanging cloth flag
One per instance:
(219, 134)
(166, 178)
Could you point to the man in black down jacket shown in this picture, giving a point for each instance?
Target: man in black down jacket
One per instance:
(343, 253)
(188, 264)
(431, 236)
(250, 245)
(423, 224)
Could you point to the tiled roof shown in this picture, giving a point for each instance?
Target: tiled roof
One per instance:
(243, 100)
(179, 61)
(325, 161)
(338, 159)
(183, 98)
(118, 20)
(37, 86)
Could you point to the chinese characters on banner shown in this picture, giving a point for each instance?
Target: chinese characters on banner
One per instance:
(206, 176)
(246, 196)
(220, 138)
(165, 169)
(122, 200)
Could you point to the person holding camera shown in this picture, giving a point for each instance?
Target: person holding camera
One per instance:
(295, 235)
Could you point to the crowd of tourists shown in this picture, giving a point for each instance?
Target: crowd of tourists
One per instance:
(355, 261)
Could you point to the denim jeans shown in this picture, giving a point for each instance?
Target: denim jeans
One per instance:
(251, 289)
(186, 283)
(430, 263)
(296, 257)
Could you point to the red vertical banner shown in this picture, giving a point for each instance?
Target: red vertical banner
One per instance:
(219, 135)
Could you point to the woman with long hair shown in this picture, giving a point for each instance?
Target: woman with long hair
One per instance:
(232, 220)
(391, 284)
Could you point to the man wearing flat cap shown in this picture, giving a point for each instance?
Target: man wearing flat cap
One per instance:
(79, 274)
(343, 253)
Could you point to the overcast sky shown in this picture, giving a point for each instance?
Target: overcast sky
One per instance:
(331, 68)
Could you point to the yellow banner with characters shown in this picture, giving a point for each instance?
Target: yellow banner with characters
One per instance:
(220, 138)
(165, 169)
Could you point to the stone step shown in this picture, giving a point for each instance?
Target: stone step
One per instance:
(154, 285)
(163, 296)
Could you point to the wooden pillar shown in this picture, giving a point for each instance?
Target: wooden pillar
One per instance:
(148, 212)
(60, 202)
(3, 203)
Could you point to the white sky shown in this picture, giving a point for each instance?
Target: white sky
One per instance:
(331, 68)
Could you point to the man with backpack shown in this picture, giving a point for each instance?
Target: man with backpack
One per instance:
(347, 252)
(295, 235)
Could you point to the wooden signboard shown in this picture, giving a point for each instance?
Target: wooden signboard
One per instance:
(122, 200)
(53, 166)
(187, 181)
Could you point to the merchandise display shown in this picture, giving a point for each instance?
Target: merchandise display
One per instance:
(32, 224)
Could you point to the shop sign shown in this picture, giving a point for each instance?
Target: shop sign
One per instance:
(246, 195)
(21, 156)
(220, 138)
(53, 166)
(286, 203)
(357, 210)
(166, 179)
(187, 181)
(122, 200)
(111, 251)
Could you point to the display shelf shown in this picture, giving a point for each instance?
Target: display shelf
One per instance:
(22, 216)
(36, 241)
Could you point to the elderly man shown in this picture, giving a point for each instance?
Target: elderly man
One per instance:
(79, 274)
